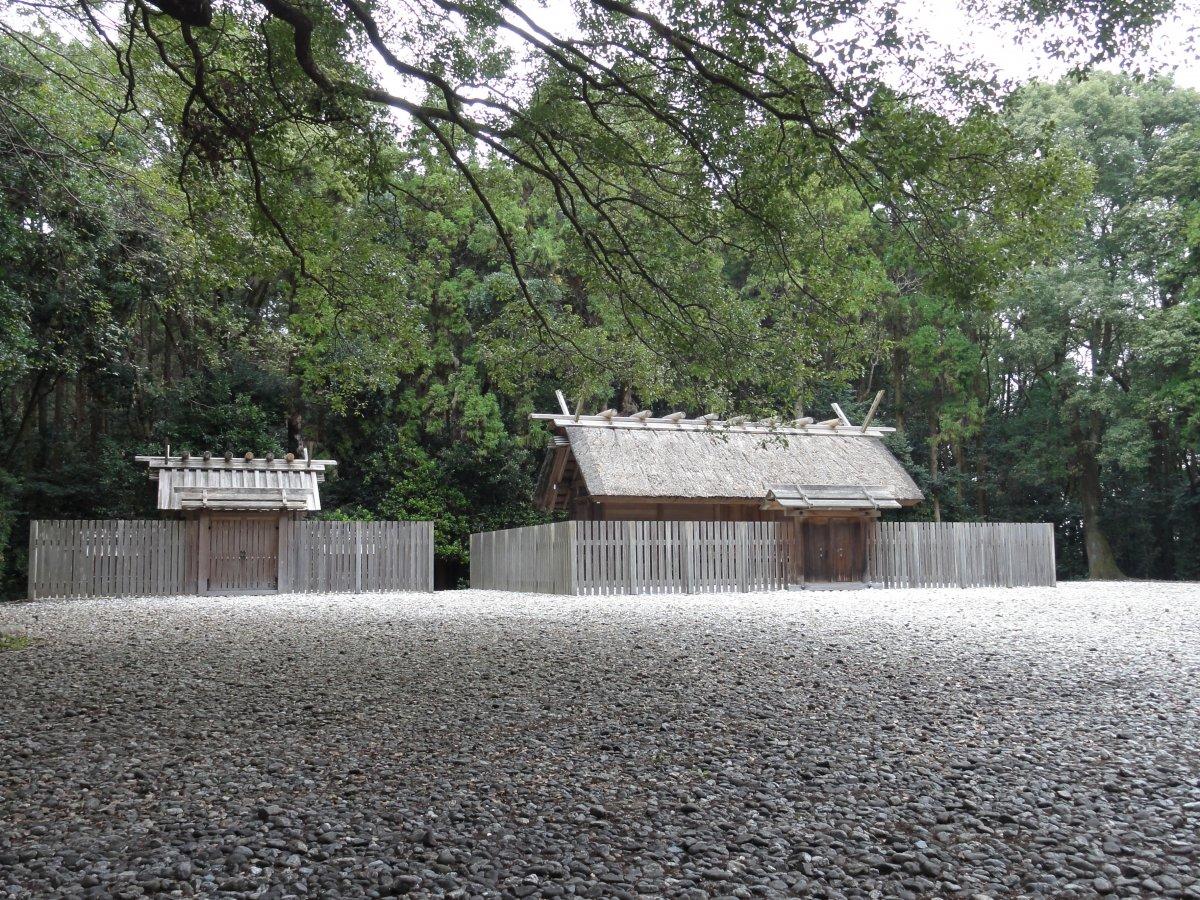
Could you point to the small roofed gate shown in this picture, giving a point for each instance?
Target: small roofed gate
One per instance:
(235, 526)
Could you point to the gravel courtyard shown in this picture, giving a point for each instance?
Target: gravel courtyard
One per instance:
(880, 743)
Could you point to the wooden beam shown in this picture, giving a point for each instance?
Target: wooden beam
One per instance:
(801, 423)
(562, 403)
(611, 419)
(842, 417)
(155, 463)
(871, 412)
(675, 417)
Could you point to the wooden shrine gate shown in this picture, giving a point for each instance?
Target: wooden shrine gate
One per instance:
(243, 554)
(827, 550)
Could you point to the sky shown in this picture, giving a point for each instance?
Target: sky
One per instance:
(946, 22)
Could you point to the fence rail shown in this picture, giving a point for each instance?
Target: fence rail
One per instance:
(695, 557)
(145, 558)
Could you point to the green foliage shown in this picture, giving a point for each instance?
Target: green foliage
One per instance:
(1023, 283)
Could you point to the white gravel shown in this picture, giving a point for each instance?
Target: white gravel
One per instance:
(878, 743)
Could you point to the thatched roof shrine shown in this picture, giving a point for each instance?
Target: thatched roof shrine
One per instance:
(793, 467)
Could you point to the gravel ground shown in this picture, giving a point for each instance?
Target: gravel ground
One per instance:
(880, 743)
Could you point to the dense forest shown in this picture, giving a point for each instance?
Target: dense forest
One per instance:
(210, 240)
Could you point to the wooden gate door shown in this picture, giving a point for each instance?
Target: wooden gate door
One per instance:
(849, 550)
(834, 550)
(243, 554)
(818, 563)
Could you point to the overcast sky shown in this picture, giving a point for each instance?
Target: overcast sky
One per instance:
(946, 22)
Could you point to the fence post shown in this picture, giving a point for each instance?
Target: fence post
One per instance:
(629, 542)
(685, 535)
(741, 554)
(34, 553)
(572, 571)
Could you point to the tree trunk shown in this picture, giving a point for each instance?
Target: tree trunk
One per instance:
(898, 363)
(981, 494)
(960, 464)
(933, 470)
(295, 441)
(628, 405)
(1102, 564)
(1162, 468)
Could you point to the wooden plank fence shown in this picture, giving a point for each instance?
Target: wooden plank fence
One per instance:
(962, 554)
(146, 558)
(678, 557)
(631, 557)
(111, 558)
(610, 557)
(333, 557)
(535, 559)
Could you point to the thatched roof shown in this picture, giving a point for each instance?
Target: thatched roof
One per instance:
(730, 463)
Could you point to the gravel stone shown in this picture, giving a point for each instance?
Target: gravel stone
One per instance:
(947, 743)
